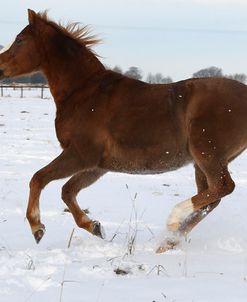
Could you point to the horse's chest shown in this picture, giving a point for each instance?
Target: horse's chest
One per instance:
(74, 129)
(63, 131)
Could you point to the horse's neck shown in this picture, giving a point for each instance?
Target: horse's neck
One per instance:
(67, 76)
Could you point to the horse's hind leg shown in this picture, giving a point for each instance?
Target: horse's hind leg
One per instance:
(220, 184)
(70, 190)
(188, 213)
(193, 220)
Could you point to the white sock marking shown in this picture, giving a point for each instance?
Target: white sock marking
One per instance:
(180, 212)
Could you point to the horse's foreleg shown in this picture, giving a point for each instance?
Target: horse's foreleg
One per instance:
(66, 164)
(184, 216)
(70, 190)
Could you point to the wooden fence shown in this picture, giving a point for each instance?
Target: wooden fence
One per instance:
(22, 88)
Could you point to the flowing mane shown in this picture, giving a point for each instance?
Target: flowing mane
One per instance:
(74, 30)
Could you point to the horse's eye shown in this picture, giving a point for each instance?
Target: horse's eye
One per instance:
(18, 40)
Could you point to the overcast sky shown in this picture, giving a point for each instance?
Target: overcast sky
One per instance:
(174, 37)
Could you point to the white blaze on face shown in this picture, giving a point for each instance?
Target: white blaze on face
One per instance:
(179, 213)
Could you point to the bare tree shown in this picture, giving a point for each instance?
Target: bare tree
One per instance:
(158, 79)
(240, 77)
(208, 72)
(150, 78)
(167, 80)
(118, 69)
(217, 72)
(134, 73)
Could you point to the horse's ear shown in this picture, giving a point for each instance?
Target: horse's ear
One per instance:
(31, 16)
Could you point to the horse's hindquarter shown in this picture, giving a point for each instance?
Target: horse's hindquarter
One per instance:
(144, 133)
(216, 118)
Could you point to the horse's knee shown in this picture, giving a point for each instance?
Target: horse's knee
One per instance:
(37, 181)
(67, 195)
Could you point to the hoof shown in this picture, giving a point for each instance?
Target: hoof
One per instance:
(169, 244)
(98, 230)
(39, 234)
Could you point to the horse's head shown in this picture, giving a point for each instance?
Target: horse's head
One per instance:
(24, 55)
(48, 46)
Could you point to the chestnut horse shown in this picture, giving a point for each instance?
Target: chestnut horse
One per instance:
(106, 121)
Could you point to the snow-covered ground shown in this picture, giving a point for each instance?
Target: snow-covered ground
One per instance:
(73, 266)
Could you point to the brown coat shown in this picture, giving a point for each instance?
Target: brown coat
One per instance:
(108, 122)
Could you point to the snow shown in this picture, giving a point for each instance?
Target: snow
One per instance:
(71, 265)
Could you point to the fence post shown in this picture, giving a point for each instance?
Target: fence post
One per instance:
(21, 91)
(42, 91)
(1, 91)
